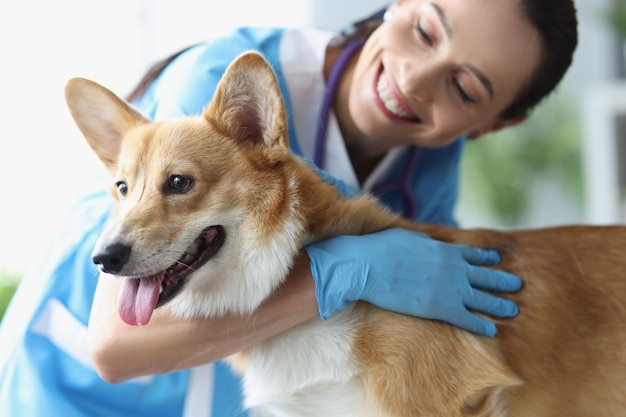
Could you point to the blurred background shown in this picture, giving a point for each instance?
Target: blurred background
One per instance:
(567, 164)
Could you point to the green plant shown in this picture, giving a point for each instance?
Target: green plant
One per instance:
(500, 170)
(8, 284)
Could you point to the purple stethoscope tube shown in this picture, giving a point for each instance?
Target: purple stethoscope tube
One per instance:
(402, 182)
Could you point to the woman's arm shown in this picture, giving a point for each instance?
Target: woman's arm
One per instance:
(121, 352)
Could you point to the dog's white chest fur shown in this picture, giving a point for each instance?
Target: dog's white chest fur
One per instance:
(307, 371)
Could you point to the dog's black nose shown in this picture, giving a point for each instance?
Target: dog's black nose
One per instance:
(111, 259)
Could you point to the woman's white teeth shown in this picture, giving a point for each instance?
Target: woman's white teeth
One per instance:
(389, 101)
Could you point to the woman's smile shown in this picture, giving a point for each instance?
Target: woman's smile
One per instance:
(390, 101)
(425, 78)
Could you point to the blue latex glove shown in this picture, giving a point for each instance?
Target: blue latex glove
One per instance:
(410, 273)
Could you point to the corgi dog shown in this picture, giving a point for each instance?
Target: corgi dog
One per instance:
(211, 211)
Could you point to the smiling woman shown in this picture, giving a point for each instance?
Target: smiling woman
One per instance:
(434, 64)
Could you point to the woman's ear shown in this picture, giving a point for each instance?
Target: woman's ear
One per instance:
(499, 125)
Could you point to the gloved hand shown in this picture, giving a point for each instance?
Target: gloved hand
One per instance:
(410, 273)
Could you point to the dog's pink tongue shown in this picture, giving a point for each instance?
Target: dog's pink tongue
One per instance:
(137, 300)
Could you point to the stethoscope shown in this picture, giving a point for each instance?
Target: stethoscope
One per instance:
(401, 183)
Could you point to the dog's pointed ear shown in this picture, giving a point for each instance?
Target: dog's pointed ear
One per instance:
(102, 117)
(248, 106)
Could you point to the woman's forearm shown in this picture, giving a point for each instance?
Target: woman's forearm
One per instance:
(167, 344)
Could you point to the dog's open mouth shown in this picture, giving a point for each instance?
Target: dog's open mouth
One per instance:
(139, 296)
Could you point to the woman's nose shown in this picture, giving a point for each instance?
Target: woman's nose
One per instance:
(419, 79)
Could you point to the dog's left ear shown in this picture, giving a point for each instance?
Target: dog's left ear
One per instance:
(248, 106)
(102, 117)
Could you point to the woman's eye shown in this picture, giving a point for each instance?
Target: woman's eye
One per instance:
(466, 98)
(423, 34)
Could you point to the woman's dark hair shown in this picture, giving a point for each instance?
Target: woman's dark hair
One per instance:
(555, 20)
(557, 24)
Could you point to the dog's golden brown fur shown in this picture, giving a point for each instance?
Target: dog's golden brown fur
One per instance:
(564, 355)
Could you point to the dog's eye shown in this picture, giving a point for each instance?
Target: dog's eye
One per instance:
(179, 184)
(122, 188)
